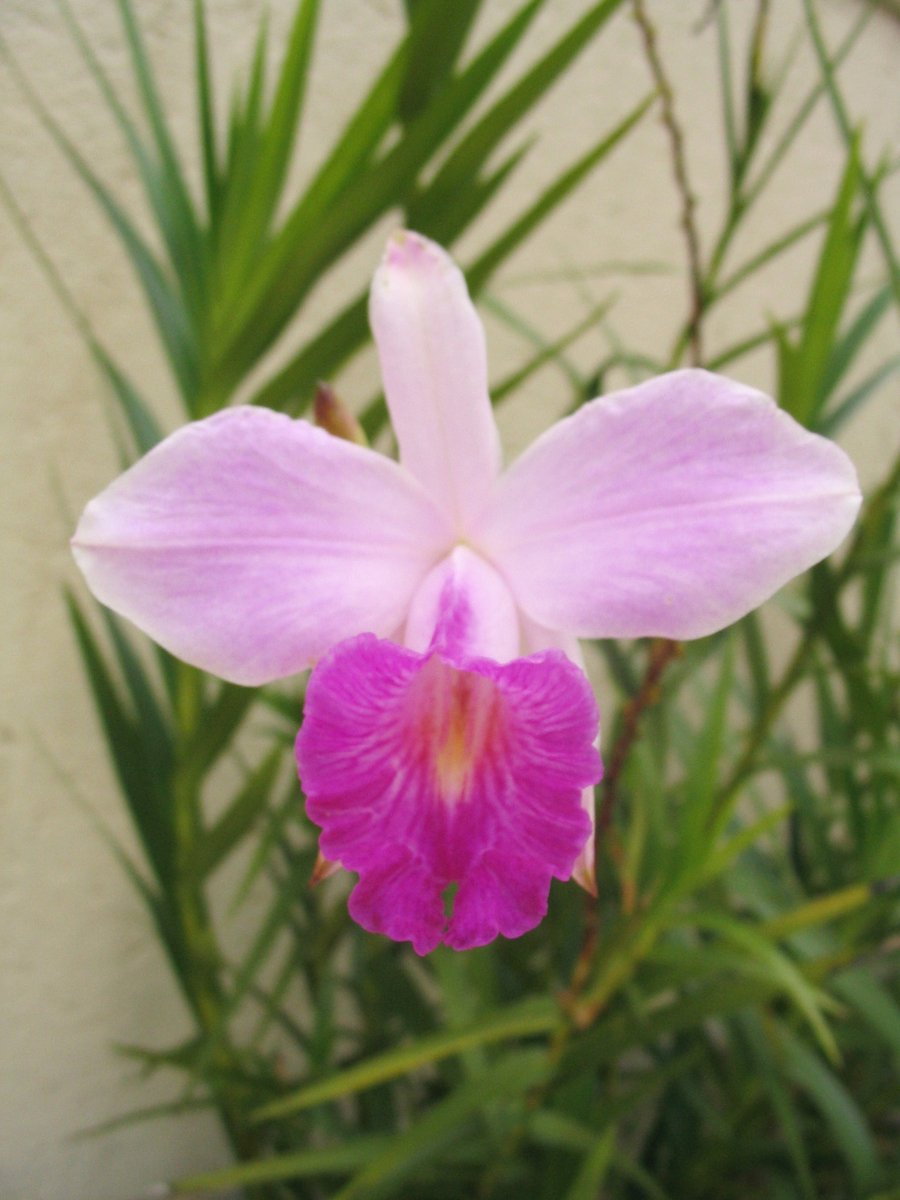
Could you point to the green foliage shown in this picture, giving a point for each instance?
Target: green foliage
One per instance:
(725, 1020)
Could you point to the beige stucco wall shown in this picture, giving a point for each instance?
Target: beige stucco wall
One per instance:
(79, 970)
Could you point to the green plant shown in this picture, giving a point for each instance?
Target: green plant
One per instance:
(724, 1021)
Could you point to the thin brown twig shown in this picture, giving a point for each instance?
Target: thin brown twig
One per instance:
(662, 652)
(682, 182)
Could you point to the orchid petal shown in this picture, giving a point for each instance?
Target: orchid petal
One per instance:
(534, 639)
(422, 773)
(469, 603)
(669, 509)
(249, 543)
(434, 367)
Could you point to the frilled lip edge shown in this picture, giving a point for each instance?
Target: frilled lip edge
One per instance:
(426, 772)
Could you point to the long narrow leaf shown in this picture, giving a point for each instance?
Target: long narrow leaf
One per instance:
(190, 259)
(252, 210)
(508, 1078)
(847, 1123)
(294, 261)
(469, 157)
(530, 1017)
(550, 198)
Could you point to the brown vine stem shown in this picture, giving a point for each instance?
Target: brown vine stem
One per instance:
(662, 652)
(682, 182)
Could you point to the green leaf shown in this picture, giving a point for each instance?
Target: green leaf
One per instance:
(165, 305)
(726, 90)
(804, 110)
(142, 424)
(206, 113)
(155, 726)
(291, 389)
(488, 262)
(294, 261)
(440, 213)
(444, 215)
(132, 755)
(589, 1181)
(757, 660)
(841, 412)
(436, 37)
(827, 66)
(169, 215)
(777, 966)
(239, 817)
(151, 1112)
(188, 249)
(253, 196)
(847, 1123)
(341, 1159)
(278, 821)
(551, 352)
(817, 911)
(463, 164)
(772, 251)
(874, 1003)
(845, 349)
(765, 1055)
(508, 1078)
(519, 1020)
(212, 734)
(239, 168)
(802, 393)
(721, 858)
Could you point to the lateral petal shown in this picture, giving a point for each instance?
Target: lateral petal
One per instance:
(670, 509)
(249, 543)
(434, 367)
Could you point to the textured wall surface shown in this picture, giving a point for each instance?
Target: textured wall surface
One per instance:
(79, 970)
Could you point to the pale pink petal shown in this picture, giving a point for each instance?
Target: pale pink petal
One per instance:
(466, 598)
(423, 773)
(534, 639)
(433, 363)
(249, 543)
(669, 509)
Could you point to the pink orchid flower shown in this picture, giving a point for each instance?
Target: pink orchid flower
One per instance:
(449, 732)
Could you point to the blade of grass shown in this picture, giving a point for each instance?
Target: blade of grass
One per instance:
(533, 1016)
